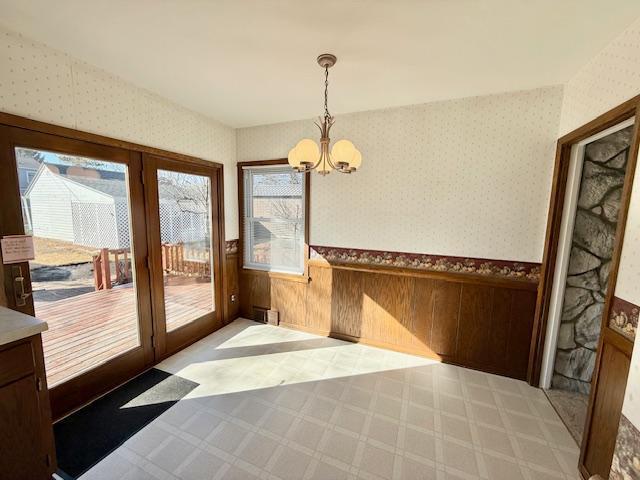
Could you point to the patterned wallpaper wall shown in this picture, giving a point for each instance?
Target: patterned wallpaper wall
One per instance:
(610, 78)
(43, 84)
(467, 177)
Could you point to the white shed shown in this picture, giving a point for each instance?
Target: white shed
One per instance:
(82, 209)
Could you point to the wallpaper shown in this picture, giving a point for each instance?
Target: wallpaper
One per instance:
(610, 78)
(43, 84)
(467, 178)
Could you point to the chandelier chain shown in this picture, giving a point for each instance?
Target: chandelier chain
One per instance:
(326, 92)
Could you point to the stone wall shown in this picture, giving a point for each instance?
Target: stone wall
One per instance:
(590, 259)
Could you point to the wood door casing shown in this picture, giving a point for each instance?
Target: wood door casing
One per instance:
(605, 406)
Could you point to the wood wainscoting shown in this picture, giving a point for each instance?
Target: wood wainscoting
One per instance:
(231, 281)
(608, 388)
(481, 322)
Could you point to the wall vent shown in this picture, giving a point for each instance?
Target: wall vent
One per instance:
(259, 314)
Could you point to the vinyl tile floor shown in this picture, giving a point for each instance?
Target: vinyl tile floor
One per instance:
(280, 404)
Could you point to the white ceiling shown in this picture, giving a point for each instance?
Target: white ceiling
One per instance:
(251, 62)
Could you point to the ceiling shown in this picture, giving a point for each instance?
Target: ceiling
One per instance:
(252, 62)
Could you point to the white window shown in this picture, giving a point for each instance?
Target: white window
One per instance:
(274, 218)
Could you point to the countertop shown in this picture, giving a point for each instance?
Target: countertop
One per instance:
(15, 325)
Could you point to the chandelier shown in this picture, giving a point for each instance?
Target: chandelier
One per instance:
(306, 156)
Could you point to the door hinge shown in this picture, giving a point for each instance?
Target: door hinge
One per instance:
(142, 176)
(154, 344)
(47, 460)
(39, 384)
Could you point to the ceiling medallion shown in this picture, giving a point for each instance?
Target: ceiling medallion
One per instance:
(306, 156)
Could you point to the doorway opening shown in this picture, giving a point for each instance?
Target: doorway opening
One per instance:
(595, 182)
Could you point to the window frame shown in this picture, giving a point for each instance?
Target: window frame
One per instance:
(304, 276)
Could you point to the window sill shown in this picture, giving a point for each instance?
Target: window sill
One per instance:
(290, 277)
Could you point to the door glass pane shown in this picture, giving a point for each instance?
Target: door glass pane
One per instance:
(185, 232)
(83, 278)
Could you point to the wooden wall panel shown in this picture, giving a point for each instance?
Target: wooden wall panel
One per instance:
(436, 308)
(255, 291)
(319, 299)
(499, 326)
(386, 309)
(606, 407)
(346, 302)
(233, 287)
(458, 319)
(522, 314)
(474, 331)
(290, 300)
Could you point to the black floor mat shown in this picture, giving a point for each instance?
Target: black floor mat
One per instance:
(90, 434)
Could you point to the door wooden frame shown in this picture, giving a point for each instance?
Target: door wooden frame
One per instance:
(628, 109)
(106, 377)
(625, 111)
(167, 343)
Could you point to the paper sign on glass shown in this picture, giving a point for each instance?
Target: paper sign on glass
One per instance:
(17, 248)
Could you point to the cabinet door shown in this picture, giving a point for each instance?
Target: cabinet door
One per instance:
(20, 432)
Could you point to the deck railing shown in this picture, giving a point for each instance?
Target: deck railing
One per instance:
(102, 268)
(180, 260)
(177, 259)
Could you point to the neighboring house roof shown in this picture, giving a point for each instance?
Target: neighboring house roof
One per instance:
(114, 188)
(114, 184)
(277, 190)
(26, 162)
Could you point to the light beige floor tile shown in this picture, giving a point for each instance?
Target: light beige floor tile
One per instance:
(420, 417)
(171, 454)
(278, 422)
(538, 453)
(459, 457)
(291, 464)
(306, 433)
(340, 446)
(377, 461)
(350, 419)
(500, 469)
(201, 466)
(325, 471)
(495, 440)
(227, 437)
(456, 428)
(278, 404)
(384, 431)
(413, 470)
(258, 450)
(420, 443)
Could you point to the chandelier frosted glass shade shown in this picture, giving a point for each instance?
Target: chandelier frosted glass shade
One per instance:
(307, 155)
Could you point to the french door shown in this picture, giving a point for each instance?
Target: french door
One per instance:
(127, 256)
(183, 227)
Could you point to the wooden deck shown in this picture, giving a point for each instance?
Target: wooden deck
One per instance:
(89, 329)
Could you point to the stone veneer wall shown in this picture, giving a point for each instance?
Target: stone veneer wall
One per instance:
(589, 262)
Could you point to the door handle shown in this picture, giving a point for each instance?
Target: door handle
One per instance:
(18, 287)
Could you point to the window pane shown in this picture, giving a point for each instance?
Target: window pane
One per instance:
(83, 278)
(185, 231)
(274, 219)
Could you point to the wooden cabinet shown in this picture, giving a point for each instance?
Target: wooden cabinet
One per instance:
(26, 434)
